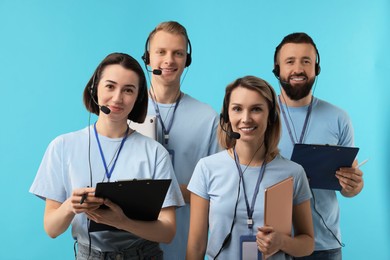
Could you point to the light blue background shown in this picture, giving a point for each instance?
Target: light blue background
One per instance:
(49, 49)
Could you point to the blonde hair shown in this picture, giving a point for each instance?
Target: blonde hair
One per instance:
(170, 27)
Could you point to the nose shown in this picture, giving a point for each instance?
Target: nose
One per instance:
(169, 58)
(117, 96)
(246, 117)
(298, 67)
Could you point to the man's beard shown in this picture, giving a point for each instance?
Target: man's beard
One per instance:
(298, 92)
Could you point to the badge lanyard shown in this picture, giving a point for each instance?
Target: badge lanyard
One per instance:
(109, 172)
(250, 209)
(166, 130)
(308, 113)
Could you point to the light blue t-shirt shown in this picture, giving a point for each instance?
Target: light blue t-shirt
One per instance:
(65, 167)
(216, 179)
(193, 135)
(327, 124)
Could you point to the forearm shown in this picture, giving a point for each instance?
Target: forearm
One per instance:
(303, 242)
(298, 246)
(58, 217)
(198, 231)
(195, 252)
(196, 247)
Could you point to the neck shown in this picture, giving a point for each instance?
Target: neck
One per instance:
(305, 101)
(250, 155)
(165, 94)
(111, 129)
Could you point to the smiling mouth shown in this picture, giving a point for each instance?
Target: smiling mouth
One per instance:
(169, 69)
(298, 78)
(248, 129)
(115, 108)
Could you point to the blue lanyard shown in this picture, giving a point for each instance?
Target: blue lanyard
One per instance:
(304, 128)
(109, 172)
(166, 130)
(250, 209)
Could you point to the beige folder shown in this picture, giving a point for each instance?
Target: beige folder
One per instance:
(278, 203)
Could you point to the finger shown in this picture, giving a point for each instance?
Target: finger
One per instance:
(265, 229)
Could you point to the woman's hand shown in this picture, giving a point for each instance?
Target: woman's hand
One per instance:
(84, 200)
(268, 241)
(112, 215)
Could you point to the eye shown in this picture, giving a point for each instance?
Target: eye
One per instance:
(180, 53)
(129, 91)
(109, 86)
(236, 108)
(160, 52)
(257, 109)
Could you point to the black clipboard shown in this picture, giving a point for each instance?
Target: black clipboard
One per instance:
(139, 199)
(322, 161)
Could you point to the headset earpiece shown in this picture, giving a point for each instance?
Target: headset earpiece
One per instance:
(224, 114)
(273, 116)
(189, 57)
(92, 87)
(276, 70)
(145, 57)
(317, 69)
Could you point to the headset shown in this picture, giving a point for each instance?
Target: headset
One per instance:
(276, 70)
(92, 87)
(273, 115)
(146, 56)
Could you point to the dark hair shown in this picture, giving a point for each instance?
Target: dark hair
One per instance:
(299, 37)
(272, 133)
(138, 113)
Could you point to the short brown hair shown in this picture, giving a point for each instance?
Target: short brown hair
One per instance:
(170, 27)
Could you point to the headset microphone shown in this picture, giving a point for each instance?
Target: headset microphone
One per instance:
(157, 72)
(104, 109)
(92, 92)
(231, 134)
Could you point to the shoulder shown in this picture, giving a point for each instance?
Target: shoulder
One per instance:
(331, 108)
(282, 164)
(280, 160)
(221, 155)
(72, 137)
(216, 160)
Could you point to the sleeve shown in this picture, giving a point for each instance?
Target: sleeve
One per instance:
(198, 183)
(301, 187)
(48, 182)
(214, 146)
(346, 130)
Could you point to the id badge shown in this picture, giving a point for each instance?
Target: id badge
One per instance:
(248, 248)
(172, 156)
